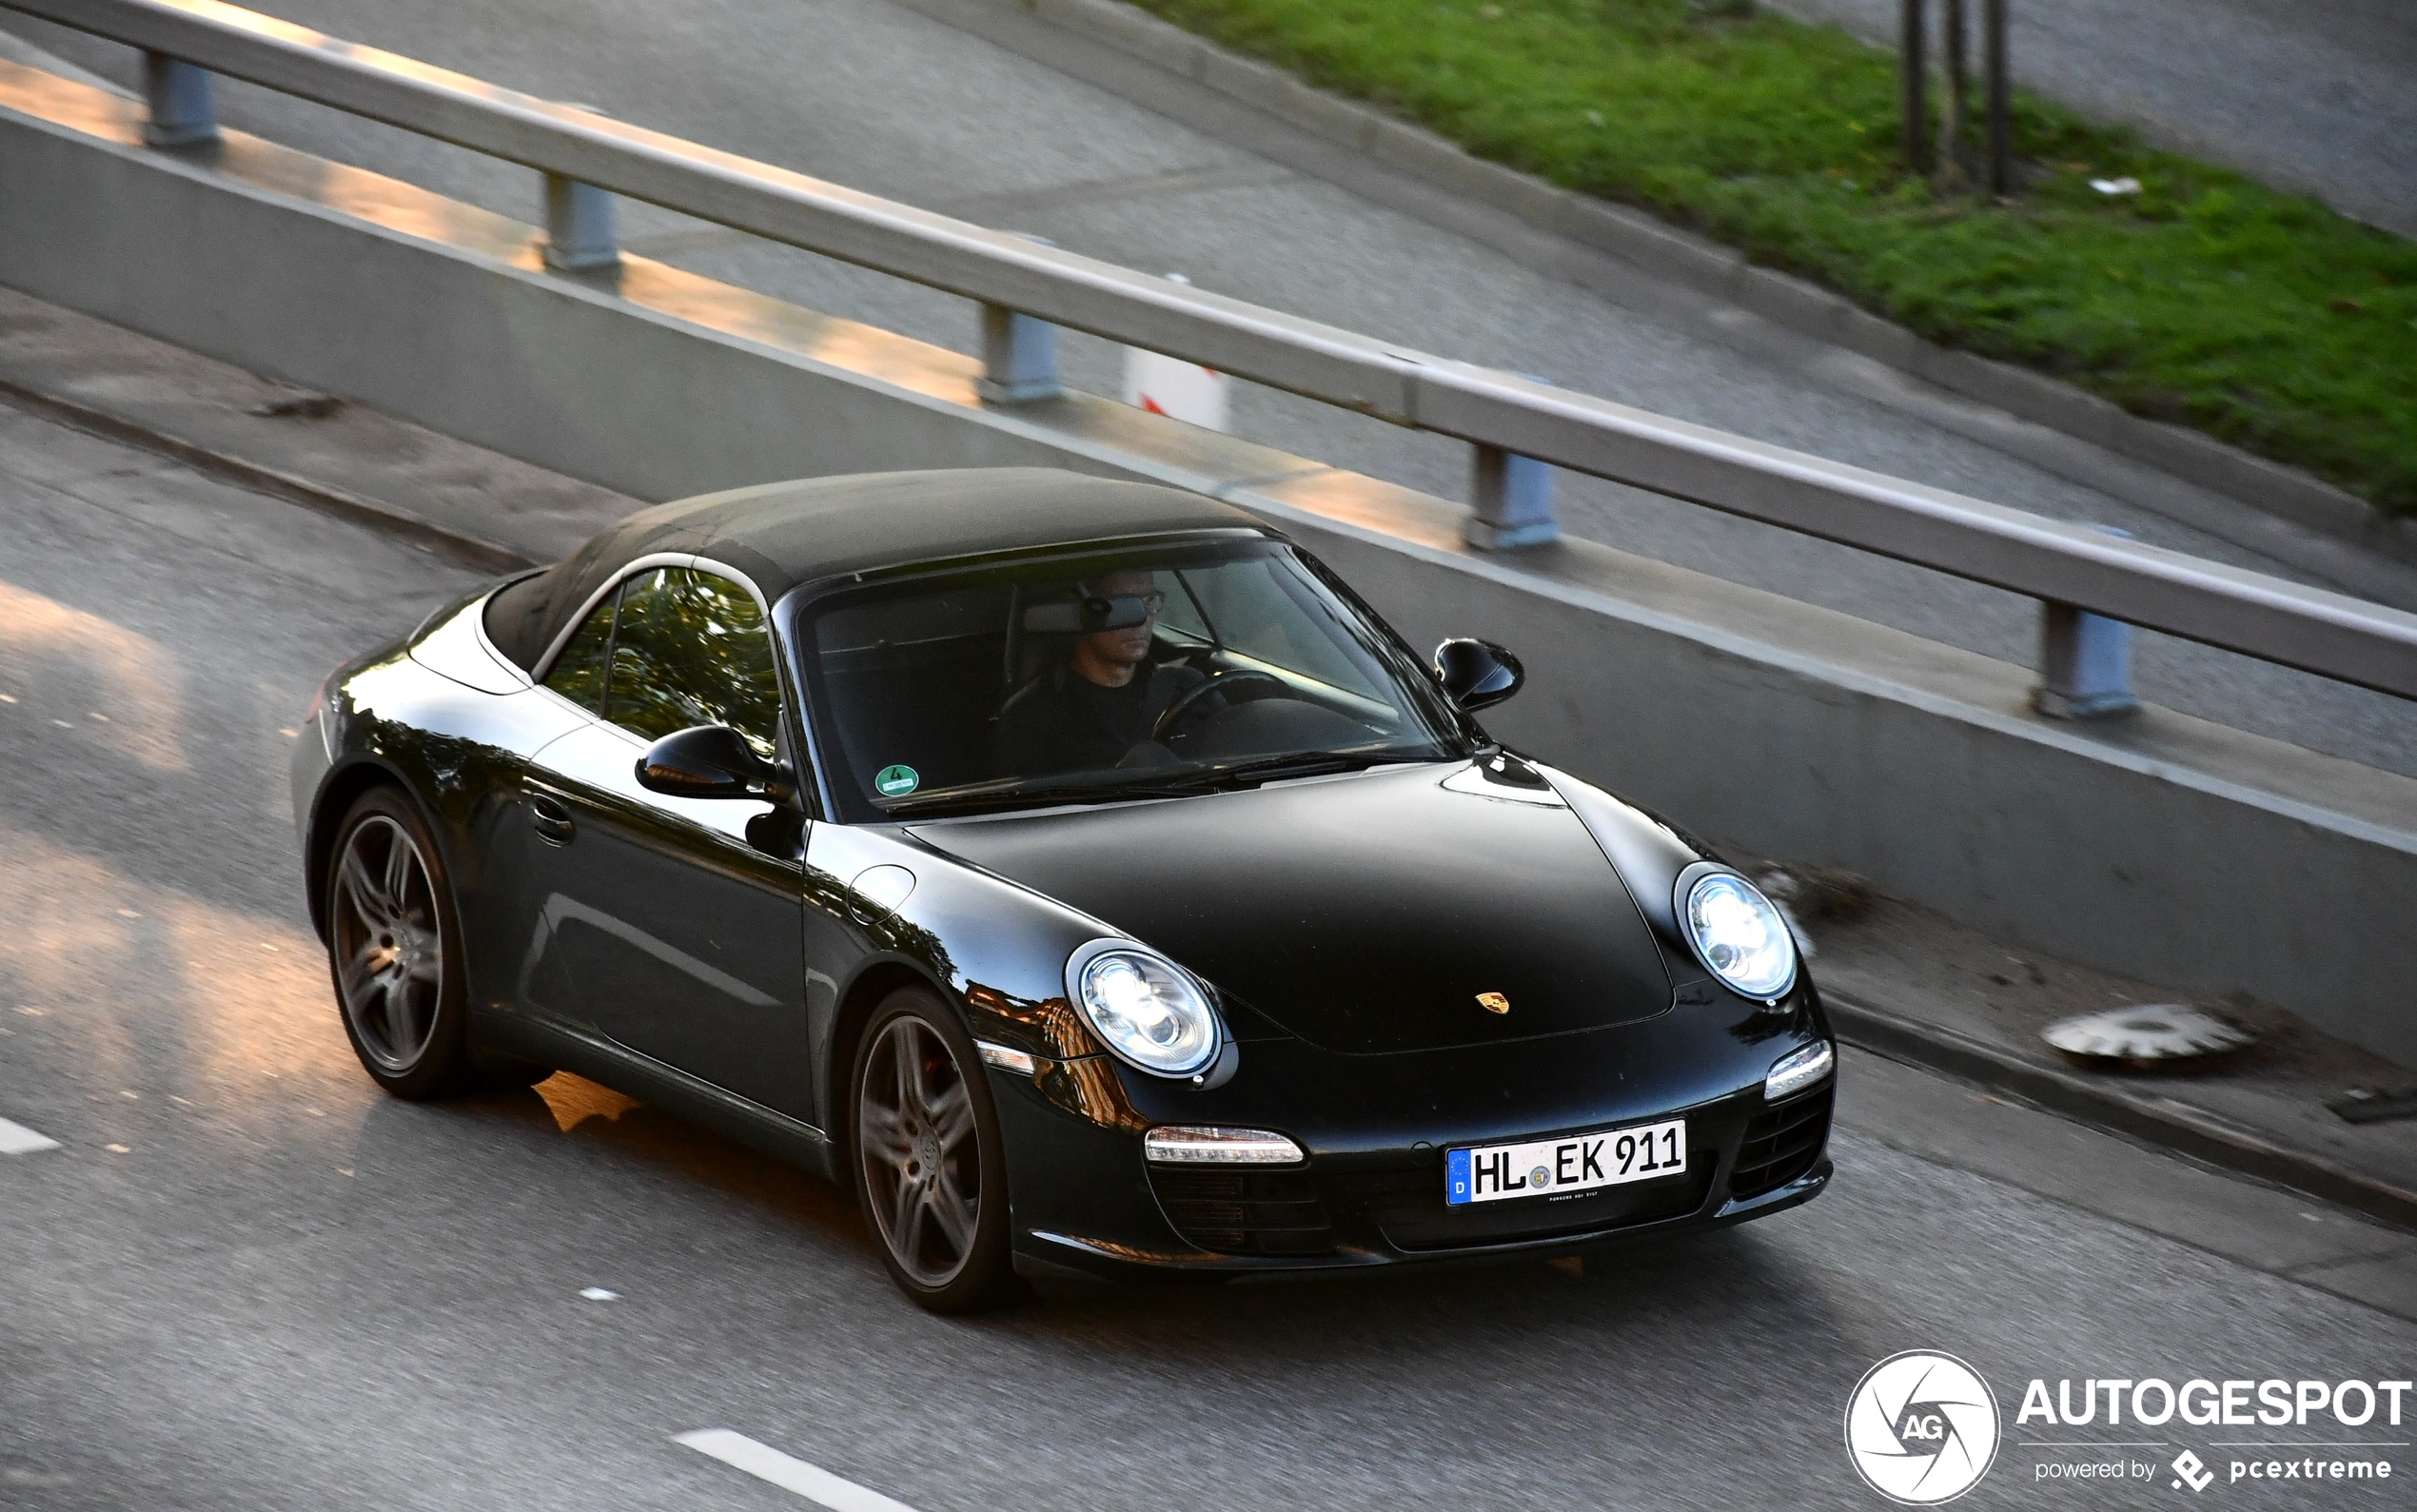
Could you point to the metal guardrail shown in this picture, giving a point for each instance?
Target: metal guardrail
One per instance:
(2077, 573)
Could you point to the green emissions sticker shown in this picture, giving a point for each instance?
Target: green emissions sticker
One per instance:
(896, 782)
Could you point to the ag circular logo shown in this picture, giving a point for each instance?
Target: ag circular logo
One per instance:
(1922, 1427)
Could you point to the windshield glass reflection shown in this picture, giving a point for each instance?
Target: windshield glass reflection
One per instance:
(1177, 669)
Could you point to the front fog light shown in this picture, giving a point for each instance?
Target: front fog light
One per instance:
(1798, 1070)
(1194, 1145)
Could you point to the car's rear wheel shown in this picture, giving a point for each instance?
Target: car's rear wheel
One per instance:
(393, 946)
(929, 1168)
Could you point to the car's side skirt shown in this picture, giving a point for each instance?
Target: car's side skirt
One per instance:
(650, 1081)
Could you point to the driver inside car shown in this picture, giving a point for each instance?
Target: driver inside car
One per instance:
(1097, 705)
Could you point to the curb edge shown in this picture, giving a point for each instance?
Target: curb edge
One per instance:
(457, 545)
(2071, 1095)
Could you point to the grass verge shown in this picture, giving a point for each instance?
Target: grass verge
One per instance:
(2206, 299)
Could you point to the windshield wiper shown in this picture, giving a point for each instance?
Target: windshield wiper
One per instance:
(1299, 764)
(1189, 784)
(1193, 782)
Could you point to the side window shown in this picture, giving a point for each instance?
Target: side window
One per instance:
(1261, 610)
(692, 649)
(1180, 614)
(578, 674)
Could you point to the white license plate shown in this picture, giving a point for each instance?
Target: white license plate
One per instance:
(1576, 1163)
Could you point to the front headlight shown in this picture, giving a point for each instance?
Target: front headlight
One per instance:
(1144, 1008)
(1739, 935)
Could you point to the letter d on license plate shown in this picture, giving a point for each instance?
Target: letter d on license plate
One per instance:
(1575, 1163)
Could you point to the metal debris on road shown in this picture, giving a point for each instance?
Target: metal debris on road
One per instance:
(2147, 1034)
(599, 1294)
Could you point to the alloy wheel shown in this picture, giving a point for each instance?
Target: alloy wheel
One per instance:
(388, 945)
(917, 1138)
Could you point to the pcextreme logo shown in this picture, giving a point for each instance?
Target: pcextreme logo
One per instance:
(1922, 1427)
(2190, 1470)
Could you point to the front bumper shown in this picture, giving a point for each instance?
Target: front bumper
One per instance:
(1386, 1208)
(1376, 1130)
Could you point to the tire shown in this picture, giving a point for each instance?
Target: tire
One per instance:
(393, 951)
(930, 1171)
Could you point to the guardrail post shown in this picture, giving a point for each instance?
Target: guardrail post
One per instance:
(1019, 358)
(1513, 496)
(579, 226)
(182, 111)
(1019, 352)
(2085, 661)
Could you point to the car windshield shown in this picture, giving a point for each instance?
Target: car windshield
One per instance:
(1178, 668)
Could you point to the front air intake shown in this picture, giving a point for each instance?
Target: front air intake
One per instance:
(1246, 1213)
(1781, 1143)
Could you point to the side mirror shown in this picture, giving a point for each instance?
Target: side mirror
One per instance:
(1478, 674)
(710, 762)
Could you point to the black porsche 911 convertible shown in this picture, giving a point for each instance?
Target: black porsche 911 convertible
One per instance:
(1076, 868)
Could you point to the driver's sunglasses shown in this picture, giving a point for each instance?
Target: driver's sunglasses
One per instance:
(1150, 603)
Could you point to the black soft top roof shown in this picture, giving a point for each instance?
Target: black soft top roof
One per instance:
(784, 534)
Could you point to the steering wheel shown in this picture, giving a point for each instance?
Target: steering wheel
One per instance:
(1223, 681)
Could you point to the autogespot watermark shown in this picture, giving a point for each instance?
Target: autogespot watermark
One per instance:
(1923, 1427)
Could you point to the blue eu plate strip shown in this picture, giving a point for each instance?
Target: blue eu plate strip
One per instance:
(1455, 1177)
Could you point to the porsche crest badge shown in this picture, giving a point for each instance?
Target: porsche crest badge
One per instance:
(1493, 1002)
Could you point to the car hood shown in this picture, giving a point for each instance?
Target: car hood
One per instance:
(1363, 914)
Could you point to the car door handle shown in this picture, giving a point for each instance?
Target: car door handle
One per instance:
(552, 818)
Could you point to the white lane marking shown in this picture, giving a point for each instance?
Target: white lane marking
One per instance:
(15, 1139)
(765, 1462)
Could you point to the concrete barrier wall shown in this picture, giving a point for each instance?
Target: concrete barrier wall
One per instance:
(2172, 849)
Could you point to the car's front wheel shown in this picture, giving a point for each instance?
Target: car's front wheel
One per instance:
(930, 1171)
(394, 947)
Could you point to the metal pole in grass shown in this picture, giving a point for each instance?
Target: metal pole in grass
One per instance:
(1913, 75)
(1955, 149)
(2001, 123)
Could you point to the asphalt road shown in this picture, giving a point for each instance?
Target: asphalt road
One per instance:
(2319, 96)
(883, 98)
(246, 1279)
